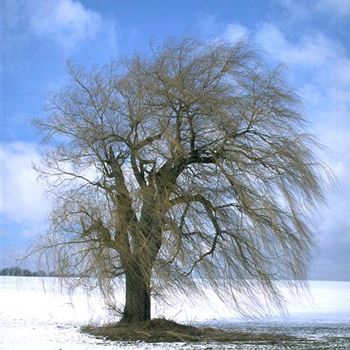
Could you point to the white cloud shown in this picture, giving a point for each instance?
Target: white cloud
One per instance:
(235, 32)
(23, 197)
(340, 7)
(66, 23)
(343, 72)
(304, 9)
(295, 7)
(209, 26)
(309, 50)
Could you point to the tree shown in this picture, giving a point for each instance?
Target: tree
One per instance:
(184, 168)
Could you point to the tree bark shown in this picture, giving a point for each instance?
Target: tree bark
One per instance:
(137, 295)
(138, 266)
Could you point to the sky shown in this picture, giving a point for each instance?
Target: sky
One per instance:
(38, 37)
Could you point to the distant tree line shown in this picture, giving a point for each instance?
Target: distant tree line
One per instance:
(17, 271)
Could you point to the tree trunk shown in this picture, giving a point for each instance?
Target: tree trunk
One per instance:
(138, 268)
(138, 295)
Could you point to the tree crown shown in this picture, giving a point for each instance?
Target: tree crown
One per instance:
(193, 162)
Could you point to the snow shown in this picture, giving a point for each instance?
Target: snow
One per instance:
(36, 314)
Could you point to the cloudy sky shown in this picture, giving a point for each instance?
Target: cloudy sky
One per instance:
(38, 37)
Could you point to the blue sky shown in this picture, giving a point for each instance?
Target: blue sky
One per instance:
(38, 37)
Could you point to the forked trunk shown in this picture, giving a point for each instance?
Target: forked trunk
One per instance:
(138, 296)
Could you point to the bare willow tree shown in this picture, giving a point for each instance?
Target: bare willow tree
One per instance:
(186, 168)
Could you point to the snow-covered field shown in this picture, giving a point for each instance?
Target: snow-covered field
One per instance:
(36, 314)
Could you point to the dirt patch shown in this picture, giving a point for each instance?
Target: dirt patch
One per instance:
(162, 330)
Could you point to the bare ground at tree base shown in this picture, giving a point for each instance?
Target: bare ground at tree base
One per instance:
(162, 330)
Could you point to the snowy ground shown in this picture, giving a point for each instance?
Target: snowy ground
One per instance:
(35, 314)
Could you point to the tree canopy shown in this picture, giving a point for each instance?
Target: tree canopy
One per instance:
(185, 168)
